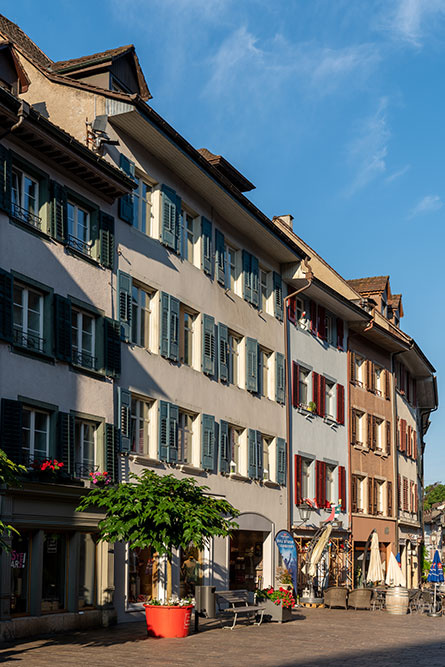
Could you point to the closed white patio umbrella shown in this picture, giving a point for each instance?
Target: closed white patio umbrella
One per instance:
(394, 575)
(318, 550)
(375, 569)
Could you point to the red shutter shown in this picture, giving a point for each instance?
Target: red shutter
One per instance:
(321, 323)
(298, 498)
(402, 435)
(342, 486)
(321, 396)
(387, 385)
(399, 492)
(388, 438)
(340, 333)
(389, 489)
(405, 494)
(340, 404)
(323, 484)
(411, 497)
(320, 473)
(415, 445)
(408, 442)
(313, 316)
(291, 307)
(354, 493)
(295, 384)
(416, 499)
(315, 389)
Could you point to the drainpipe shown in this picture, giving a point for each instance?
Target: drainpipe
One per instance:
(21, 114)
(309, 277)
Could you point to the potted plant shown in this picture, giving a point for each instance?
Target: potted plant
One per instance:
(312, 407)
(164, 513)
(48, 470)
(100, 479)
(278, 603)
(284, 577)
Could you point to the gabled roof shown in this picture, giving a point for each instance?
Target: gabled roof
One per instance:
(374, 285)
(228, 170)
(11, 31)
(21, 74)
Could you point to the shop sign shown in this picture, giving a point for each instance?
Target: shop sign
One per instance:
(51, 545)
(18, 559)
(288, 550)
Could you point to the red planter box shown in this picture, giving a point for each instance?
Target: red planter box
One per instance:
(163, 621)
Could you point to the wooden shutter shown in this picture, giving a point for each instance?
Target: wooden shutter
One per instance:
(65, 442)
(163, 444)
(298, 479)
(5, 179)
(173, 422)
(59, 211)
(224, 448)
(171, 210)
(6, 301)
(375, 488)
(206, 246)
(164, 343)
(280, 378)
(125, 425)
(247, 276)
(259, 455)
(278, 297)
(408, 441)
(387, 384)
(416, 499)
(399, 492)
(388, 437)
(342, 486)
(124, 289)
(126, 206)
(321, 329)
(255, 281)
(251, 365)
(411, 496)
(208, 443)
(389, 498)
(291, 310)
(369, 374)
(402, 435)
(320, 472)
(321, 396)
(415, 445)
(369, 431)
(251, 453)
(295, 384)
(340, 333)
(106, 237)
(313, 317)
(11, 429)
(340, 404)
(370, 495)
(173, 352)
(62, 328)
(220, 257)
(374, 434)
(353, 426)
(112, 347)
(111, 451)
(281, 461)
(354, 484)
(405, 494)
(223, 352)
(208, 345)
(315, 390)
(352, 377)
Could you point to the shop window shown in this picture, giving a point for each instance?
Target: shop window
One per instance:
(20, 550)
(191, 575)
(53, 572)
(246, 560)
(142, 575)
(87, 570)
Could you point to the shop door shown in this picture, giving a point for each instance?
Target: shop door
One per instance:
(246, 560)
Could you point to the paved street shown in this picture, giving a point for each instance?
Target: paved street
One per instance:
(316, 637)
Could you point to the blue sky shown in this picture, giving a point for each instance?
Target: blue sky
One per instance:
(334, 109)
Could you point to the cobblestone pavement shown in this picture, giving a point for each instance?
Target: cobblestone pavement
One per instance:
(316, 637)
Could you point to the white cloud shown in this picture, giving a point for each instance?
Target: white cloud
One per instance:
(410, 20)
(428, 204)
(369, 150)
(397, 174)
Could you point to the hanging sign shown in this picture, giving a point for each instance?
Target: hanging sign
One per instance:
(288, 551)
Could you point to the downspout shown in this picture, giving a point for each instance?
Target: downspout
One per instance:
(309, 277)
(396, 453)
(21, 114)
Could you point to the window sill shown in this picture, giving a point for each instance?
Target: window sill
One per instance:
(271, 485)
(381, 452)
(238, 477)
(98, 375)
(81, 255)
(146, 461)
(330, 421)
(192, 470)
(28, 227)
(28, 352)
(308, 414)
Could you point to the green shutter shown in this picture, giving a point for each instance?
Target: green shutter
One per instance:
(208, 443)
(208, 345)
(11, 429)
(220, 257)
(124, 406)
(5, 179)
(106, 237)
(224, 447)
(173, 352)
(126, 211)
(279, 378)
(206, 245)
(59, 212)
(281, 461)
(252, 452)
(112, 347)
(259, 455)
(111, 436)
(124, 289)
(255, 281)
(62, 328)
(65, 442)
(278, 296)
(223, 352)
(171, 210)
(251, 365)
(247, 276)
(163, 444)
(6, 301)
(173, 433)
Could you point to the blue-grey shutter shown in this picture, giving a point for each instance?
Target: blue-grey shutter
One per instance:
(106, 235)
(251, 365)
(279, 378)
(173, 352)
(125, 419)
(111, 436)
(171, 210)
(65, 442)
(126, 206)
(247, 276)
(223, 352)
(6, 302)
(11, 429)
(5, 179)
(281, 461)
(59, 212)
(124, 289)
(252, 452)
(208, 443)
(164, 411)
(112, 347)
(255, 281)
(173, 420)
(164, 343)
(62, 328)
(259, 455)
(278, 296)
(206, 245)
(208, 345)
(224, 447)
(220, 257)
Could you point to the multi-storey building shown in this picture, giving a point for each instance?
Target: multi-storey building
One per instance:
(59, 358)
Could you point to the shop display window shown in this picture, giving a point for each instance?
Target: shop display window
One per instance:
(20, 553)
(142, 575)
(53, 572)
(87, 570)
(191, 571)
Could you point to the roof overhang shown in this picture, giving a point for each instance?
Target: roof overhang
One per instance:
(332, 301)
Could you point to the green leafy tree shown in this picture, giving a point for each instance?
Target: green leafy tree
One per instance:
(9, 474)
(434, 493)
(161, 512)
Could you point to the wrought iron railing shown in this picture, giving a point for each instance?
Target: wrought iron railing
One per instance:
(24, 215)
(83, 470)
(84, 359)
(29, 340)
(77, 244)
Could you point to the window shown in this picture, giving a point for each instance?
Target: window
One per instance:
(140, 316)
(35, 434)
(329, 329)
(87, 570)
(185, 437)
(267, 442)
(360, 366)
(25, 198)
(83, 333)
(358, 494)
(303, 386)
(79, 234)
(234, 346)
(235, 448)
(53, 572)
(191, 574)
(20, 570)
(330, 484)
(330, 402)
(28, 318)
(264, 368)
(379, 381)
(360, 427)
(84, 447)
(232, 268)
(379, 499)
(264, 290)
(188, 236)
(142, 207)
(140, 425)
(186, 325)
(142, 568)
(379, 434)
(299, 310)
(306, 478)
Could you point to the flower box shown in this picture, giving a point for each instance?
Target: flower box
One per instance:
(275, 612)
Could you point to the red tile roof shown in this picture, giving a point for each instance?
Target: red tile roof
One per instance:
(12, 32)
(78, 63)
(369, 285)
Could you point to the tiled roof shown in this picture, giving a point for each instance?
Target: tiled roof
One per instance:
(83, 61)
(228, 170)
(11, 31)
(369, 285)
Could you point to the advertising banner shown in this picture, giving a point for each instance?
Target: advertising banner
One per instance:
(288, 551)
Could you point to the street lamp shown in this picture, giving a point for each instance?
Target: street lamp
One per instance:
(305, 512)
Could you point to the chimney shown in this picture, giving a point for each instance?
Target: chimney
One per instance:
(285, 219)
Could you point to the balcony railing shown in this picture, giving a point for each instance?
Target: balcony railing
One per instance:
(28, 340)
(81, 246)
(26, 216)
(83, 470)
(84, 359)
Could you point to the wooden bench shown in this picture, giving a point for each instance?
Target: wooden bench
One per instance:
(236, 603)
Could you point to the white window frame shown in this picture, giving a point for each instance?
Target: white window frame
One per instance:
(138, 202)
(266, 443)
(380, 433)
(189, 428)
(264, 289)
(264, 369)
(83, 469)
(32, 430)
(80, 243)
(360, 418)
(361, 489)
(360, 370)
(78, 344)
(304, 379)
(330, 483)
(186, 217)
(234, 358)
(330, 399)
(18, 208)
(380, 504)
(24, 331)
(137, 306)
(137, 418)
(235, 448)
(232, 269)
(307, 472)
(379, 379)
